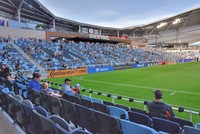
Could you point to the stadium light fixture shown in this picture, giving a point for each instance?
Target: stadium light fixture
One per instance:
(176, 21)
(161, 25)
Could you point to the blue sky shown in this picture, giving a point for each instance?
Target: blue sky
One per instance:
(118, 13)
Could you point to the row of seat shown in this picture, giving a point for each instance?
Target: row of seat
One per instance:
(55, 106)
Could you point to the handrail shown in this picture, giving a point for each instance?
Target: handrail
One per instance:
(191, 111)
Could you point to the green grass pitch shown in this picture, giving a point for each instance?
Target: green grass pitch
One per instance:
(180, 84)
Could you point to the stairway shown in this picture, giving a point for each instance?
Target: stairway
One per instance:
(42, 70)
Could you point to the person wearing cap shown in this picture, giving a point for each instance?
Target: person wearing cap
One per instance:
(160, 107)
(66, 88)
(34, 83)
(77, 88)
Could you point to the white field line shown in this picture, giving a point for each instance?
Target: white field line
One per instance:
(142, 87)
(173, 93)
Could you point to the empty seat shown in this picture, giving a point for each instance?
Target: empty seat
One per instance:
(75, 99)
(87, 103)
(106, 124)
(138, 110)
(62, 126)
(130, 128)
(85, 117)
(166, 126)
(47, 125)
(45, 103)
(140, 118)
(69, 112)
(55, 105)
(118, 112)
(97, 100)
(191, 130)
(181, 122)
(122, 106)
(108, 103)
(101, 107)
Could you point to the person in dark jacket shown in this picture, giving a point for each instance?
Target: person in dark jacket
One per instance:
(160, 107)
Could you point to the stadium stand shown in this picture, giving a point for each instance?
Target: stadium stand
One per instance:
(71, 117)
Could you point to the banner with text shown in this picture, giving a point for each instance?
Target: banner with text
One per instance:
(63, 73)
(100, 69)
(185, 60)
(140, 65)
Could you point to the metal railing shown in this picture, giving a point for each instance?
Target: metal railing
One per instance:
(113, 97)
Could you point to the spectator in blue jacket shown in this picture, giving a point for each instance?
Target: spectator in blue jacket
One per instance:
(34, 83)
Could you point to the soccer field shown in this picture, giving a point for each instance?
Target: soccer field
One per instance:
(180, 84)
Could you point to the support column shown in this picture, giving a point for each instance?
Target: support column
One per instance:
(99, 31)
(19, 15)
(117, 33)
(79, 29)
(54, 25)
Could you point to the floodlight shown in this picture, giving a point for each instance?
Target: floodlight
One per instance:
(176, 21)
(161, 25)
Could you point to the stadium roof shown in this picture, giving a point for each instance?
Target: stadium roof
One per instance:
(34, 10)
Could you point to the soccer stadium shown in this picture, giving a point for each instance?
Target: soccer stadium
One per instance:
(63, 76)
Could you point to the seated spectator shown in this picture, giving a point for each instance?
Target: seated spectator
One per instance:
(66, 87)
(46, 89)
(5, 73)
(77, 88)
(34, 83)
(158, 106)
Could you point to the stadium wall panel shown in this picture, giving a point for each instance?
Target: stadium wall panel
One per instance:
(100, 69)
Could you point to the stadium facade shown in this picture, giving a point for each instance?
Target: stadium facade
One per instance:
(31, 14)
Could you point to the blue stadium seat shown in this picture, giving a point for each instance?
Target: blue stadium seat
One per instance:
(47, 125)
(140, 118)
(198, 125)
(97, 100)
(118, 112)
(87, 103)
(181, 122)
(138, 110)
(55, 105)
(85, 117)
(191, 130)
(166, 126)
(101, 107)
(86, 98)
(45, 103)
(130, 128)
(69, 112)
(106, 124)
(122, 106)
(62, 126)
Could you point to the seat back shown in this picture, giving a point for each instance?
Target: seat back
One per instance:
(101, 107)
(130, 128)
(106, 124)
(108, 103)
(55, 105)
(138, 110)
(97, 100)
(63, 127)
(85, 117)
(47, 125)
(140, 118)
(166, 126)
(75, 99)
(158, 115)
(198, 125)
(191, 130)
(69, 112)
(45, 102)
(86, 103)
(35, 97)
(118, 112)
(86, 98)
(122, 106)
(181, 122)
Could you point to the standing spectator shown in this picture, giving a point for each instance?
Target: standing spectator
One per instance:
(158, 106)
(66, 87)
